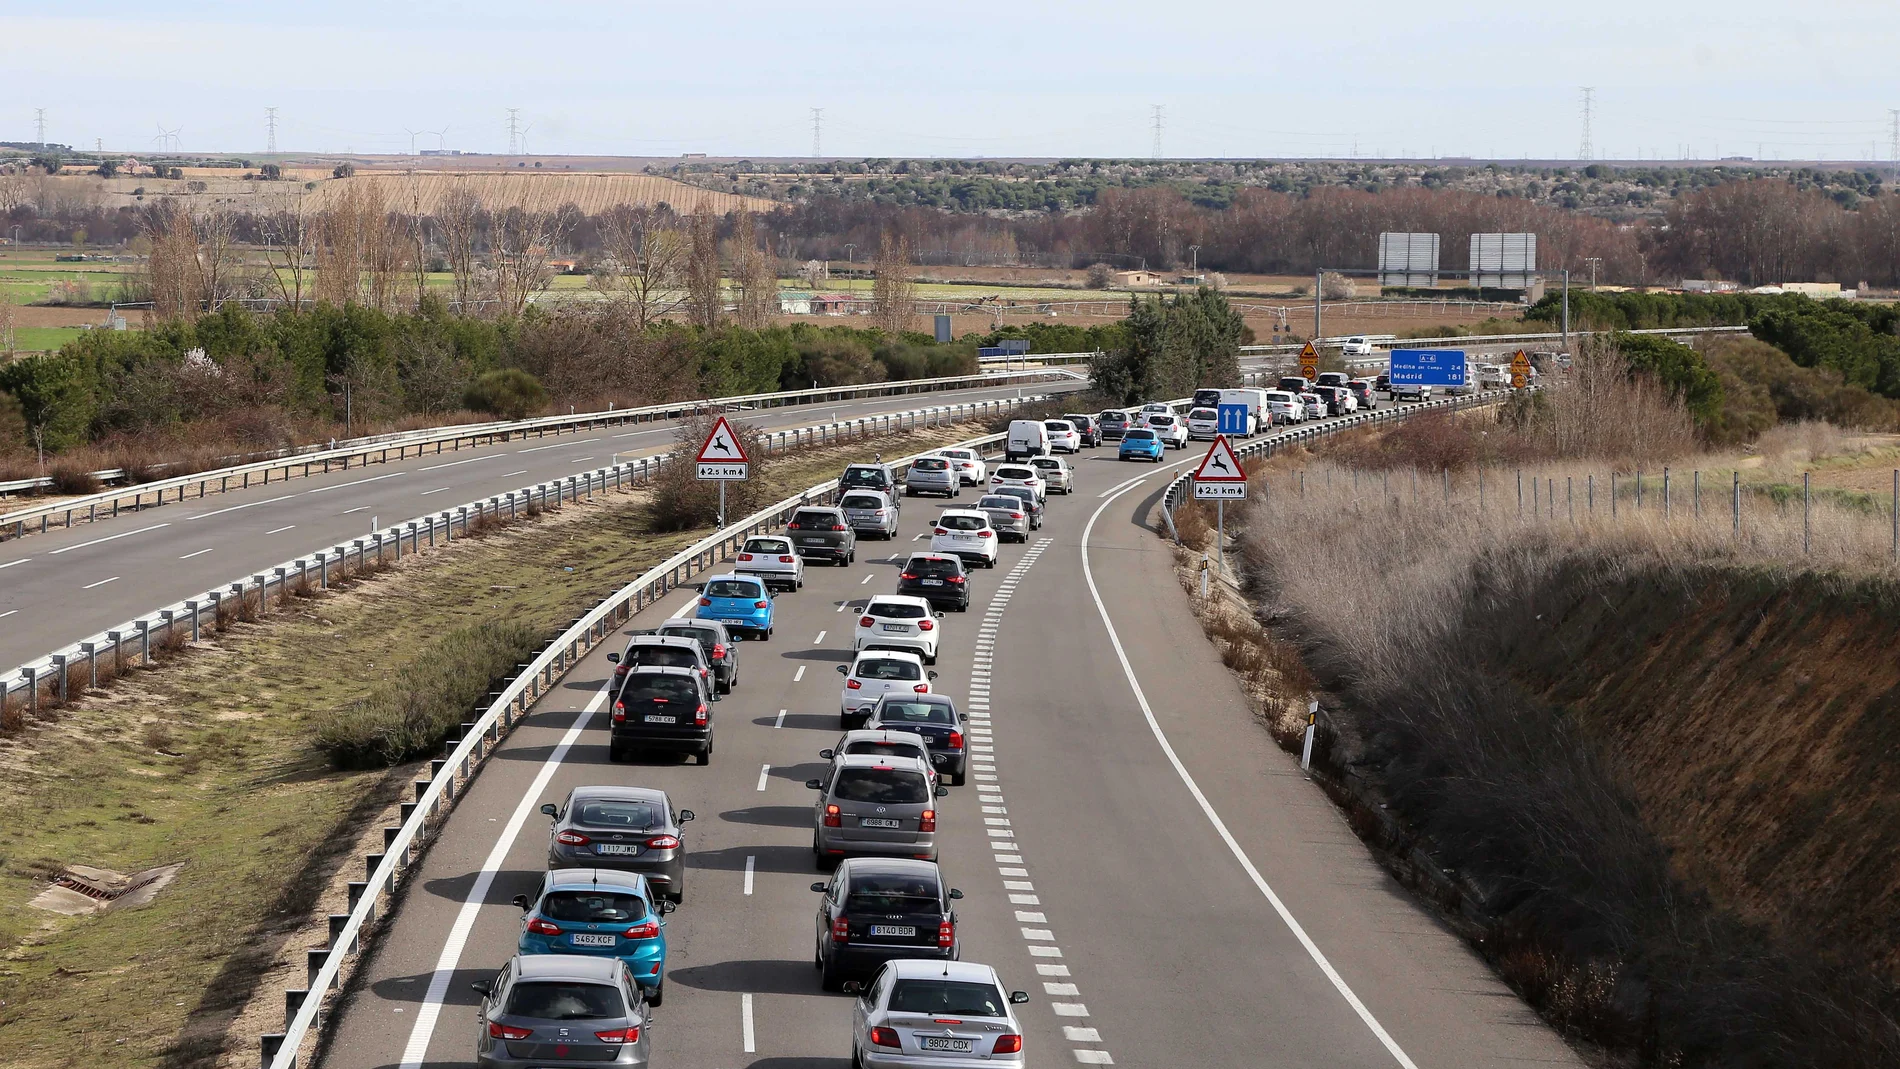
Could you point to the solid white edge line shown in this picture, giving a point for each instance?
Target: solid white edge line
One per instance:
(417, 1048)
(1213, 818)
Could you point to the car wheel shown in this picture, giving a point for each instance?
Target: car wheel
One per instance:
(844, 724)
(931, 659)
(616, 752)
(957, 779)
(830, 978)
(851, 558)
(857, 1060)
(657, 995)
(705, 756)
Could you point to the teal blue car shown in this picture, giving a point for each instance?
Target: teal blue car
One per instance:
(741, 602)
(601, 913)
(1141, 443)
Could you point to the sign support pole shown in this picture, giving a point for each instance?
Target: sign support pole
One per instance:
(1220, 532)
(722, 504)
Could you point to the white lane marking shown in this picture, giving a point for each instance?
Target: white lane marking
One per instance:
(437, 490)
(11, 563)
(281, 530)
(418, 1046)
(195, 553)
(1045, 952)
(745, 1011)
(580, 460)
(234, 508)
(798, 675)
(916, 538)
(512, 474)
(1094, 1057)
(780, 722)
(9, 612)
(1071, 1032)
(101, 582)
(1069, 1009)
(1039, 935)
(1207, 809)
(749, 859)
(841, 606)
(764, 772)
(359, 508)
(108, 538)
(820, 638)
(1052, 970)
(557, 445)
(356, 482)
(866, 579)
(455, 463)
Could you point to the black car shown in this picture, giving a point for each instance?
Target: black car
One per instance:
(937, 719)
(720, 646)
(1088, 427)
(1383, 383)
(941, 578)
(823, 534)
(661, 651)
(877, 909)
(1206, 398)
(663, 709)
(1335, 398)
(1114, 424)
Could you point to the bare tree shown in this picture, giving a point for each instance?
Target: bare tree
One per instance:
(176, 281)
(648, 257)
(288, 250)
(458, 215)
(703, 302)
(217, 254)
(754, 280)
(519, 248)
(340, 251)
(16, 188)
(418, 240)
(893, 294)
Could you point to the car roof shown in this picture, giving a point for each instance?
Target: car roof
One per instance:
(609, 792)
(675, 641)
(694, 621)
(865, 866)
(768, 537)
(951, 557)
(901, 599)
(977, 513)
(872, 760)
(877, 464)
(938, 969)
(879, 735)
(931, 699)
(566, 967)
(612, 879)
(662, 670)
(901, 655)
(741, 576)
(834, 508)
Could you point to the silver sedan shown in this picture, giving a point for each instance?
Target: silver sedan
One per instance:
(935, 1013)
(1056, 473)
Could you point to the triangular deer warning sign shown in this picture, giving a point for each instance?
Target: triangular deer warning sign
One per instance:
(1220, 465)
(722, 446)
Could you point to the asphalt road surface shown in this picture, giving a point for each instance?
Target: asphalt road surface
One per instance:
(63, 586)
(1136, 852)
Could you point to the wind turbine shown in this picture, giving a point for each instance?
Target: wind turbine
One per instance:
(440, 143)
(412, 138)
(524, 138)
(167, 139)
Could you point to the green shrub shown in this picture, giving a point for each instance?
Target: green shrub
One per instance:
(510, 393)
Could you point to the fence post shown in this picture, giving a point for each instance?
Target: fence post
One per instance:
(1520, 491)
(1665, 491)
(1806, 501)
(1737, 509)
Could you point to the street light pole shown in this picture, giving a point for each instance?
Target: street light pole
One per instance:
(1566, 309)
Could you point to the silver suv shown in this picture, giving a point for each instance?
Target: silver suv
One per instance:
(875, 804)
(871, 513)
(932, 475)
(1059, 476)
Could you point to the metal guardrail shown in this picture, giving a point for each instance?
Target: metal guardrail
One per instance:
(1499, 339)
(463, 756)
(379, 449)
(59, 669)
(1045, 359)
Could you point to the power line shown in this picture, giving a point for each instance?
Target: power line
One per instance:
(1584, 149)
(270, 121)
(514, 132)
(817, 130)
(1157, 119)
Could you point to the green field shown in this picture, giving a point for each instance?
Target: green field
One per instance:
(43, 339)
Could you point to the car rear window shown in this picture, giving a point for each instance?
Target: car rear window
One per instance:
(886, 891)
(957, 454)
(881, 786)
(1204, 413)
(1045, 463)
(930, 464)
(1022, 494)
(863, 501)
(660, 657)
(1159, 420)
(909, 712)
(1000, 501)
(1058, 426)
(932, 567)
(886, 668)
(818, 518)
(896, 610)
(566, 1000)
(673, 690)
(866, 477)
(963, 523)
(947, 997)
(593, 907)
(1081, 422)
(1114, 417)
(890, 749)
(617, 813)
(732, 588)
(1015, 471)
(705, 636)
(766, 545)
(1140, 435)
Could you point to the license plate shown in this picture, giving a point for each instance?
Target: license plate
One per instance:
(880, 822)
(897, 627)
(812, 541)
(616, 848)
(662, 719)
(933, 582)
(943, 1043)
(738, 621)
(906, 930)
(585, 940)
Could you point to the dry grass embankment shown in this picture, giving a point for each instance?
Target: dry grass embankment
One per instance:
(213, 761)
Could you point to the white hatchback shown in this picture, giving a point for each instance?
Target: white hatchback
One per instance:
(965, 533)
(772, 559)
(1020, 475)
(875, 673)
(1171, 430)
(969, 464)
(1314, 404)
(1063, 436)
(899, 622)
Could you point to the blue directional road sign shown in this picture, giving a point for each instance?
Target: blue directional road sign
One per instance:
(1428, 367)
(1233, 418)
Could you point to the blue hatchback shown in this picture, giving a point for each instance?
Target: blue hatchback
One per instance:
(738, 601)
(601, 913)
(1141, 443)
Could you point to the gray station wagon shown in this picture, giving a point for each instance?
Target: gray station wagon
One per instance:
(932, 475)
(871, 513)
(877, 805)
(823, 534)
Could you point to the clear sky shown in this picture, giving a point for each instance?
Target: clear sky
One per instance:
(977, 78)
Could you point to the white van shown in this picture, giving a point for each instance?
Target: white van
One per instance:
(1027, 438)
(1256, 402)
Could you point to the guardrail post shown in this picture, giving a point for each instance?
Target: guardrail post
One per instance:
(268, 1045)
(293, 1001)
(32, 676)
(263, 594)
(144, 628)
(118, 650)
(59, 677)
(91, 650)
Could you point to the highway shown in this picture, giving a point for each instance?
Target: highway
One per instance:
(1135, 851)
(63, 586)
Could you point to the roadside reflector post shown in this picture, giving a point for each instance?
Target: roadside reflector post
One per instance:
(1306, 749)
(1204, 564)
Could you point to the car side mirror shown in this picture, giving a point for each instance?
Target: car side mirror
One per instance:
(685, 815)
(717, 698)
(818, 886)
(931, 675)
(550, 810)
(667, 907)
(735, 638)
(813, 784)
(853, 987)
(938, 615)
(613, 658)
(1017, 998)
(943, 792)
(955, 894)
(844, 670)
(522, 901)
(486, 987)
(825, 753)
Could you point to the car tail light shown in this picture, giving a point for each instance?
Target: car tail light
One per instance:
(621, 670)
(907, 575)
(1015, 515)
(573, 838)
(985, 534)
(620, 711)
(761, 604)
(1009, 1043)
(791, 527)
(884, 1037)
(699, 715)
(840, 930)
(947, 936)
(956, 740)
(643, 930)
(541, 927)
(786, 560)
(922, 688)
(940, 531)
(832, 817)
(865, 621)
(663, 842)
(705, 601)
(620, 1035)
(745, 556)
(837, 527)
(719, 651)
(502, 1031)
(852, 684)
(928, 822)
(925, 625)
